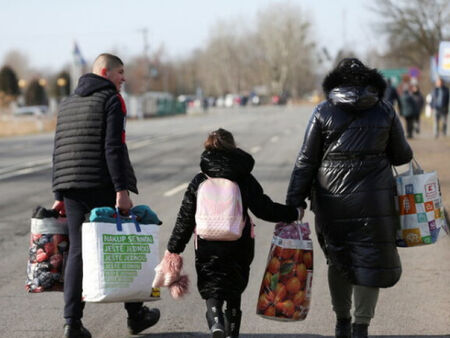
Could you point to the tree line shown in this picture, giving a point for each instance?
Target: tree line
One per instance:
(277, 55)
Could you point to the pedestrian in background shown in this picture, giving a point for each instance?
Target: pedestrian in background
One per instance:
(409, 110)
(439, 104)
(223, 267)
(419, 101)
(91, 168)
(344, 165)
(391, 95)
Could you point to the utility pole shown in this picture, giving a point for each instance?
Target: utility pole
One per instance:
(144, 32)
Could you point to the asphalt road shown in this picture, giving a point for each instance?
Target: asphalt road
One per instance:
(165, 153)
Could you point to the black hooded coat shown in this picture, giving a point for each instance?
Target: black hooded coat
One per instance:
(223, 267)
(352, 188)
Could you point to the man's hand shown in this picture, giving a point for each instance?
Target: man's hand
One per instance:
(123, 201)
(59, 206)
(301, 213)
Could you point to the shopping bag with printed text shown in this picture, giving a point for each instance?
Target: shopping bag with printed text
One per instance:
(119, 261)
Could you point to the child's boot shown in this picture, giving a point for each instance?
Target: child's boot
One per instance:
(214, 317)
(232, 322)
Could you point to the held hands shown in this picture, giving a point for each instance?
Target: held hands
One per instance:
(123, 201)
(301, 213)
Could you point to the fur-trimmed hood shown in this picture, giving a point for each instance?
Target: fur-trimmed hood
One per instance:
(354, 85)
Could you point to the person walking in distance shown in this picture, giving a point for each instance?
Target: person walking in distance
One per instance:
(391, 95)
(223, 266)
(91, 168)
(409, 110)
(419, 100)
(439, 105)
(344, 165)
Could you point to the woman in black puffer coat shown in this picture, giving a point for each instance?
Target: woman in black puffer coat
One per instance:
(223, 267)
(352, 188)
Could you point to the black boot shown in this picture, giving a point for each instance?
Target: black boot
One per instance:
(360, 330)
(232, 322)
(343, 328)
(144, 319)
(214, 317)
(76, 330)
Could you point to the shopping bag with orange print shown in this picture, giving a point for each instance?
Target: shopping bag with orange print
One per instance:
(285, 291)
(420, 207)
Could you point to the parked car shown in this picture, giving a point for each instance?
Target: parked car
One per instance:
(31, 111)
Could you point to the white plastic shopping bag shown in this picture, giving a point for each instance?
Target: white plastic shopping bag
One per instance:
(420, 207)
(119, 261)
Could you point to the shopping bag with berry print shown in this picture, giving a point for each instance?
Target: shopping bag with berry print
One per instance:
(285, 291)
(419, 204)
(49, 246)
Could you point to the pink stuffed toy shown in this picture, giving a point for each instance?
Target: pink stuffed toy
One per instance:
(168, 273)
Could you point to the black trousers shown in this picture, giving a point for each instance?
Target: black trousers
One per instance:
(410, 126)
(79, 202)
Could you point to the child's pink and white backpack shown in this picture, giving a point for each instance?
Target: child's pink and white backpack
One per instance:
(219, 214)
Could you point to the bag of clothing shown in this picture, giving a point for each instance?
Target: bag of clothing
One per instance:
(49, 247)
(420, 207)
(119, 257)
(285, 291)
(219, 213)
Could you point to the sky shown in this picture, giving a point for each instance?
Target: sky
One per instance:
(45, 30)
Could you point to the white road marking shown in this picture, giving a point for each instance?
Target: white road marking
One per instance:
(176, 190)
(274, 139)
(139, 144)
(24, 171)
(255, 149)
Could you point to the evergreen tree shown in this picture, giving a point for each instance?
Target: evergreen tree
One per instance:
(8, 82)
(35, 94)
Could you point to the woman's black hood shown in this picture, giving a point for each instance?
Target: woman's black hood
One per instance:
(230, 164)
(353, 85)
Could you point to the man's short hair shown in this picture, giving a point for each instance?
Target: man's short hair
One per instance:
(107, 61)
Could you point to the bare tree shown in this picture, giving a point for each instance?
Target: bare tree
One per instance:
(413, 29)
(286, 47)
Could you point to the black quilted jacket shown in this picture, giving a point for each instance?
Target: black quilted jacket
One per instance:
(353, 187)
(223, 267)
(90, 150)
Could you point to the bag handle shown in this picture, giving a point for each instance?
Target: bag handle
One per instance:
(120, 218)
(413, 168)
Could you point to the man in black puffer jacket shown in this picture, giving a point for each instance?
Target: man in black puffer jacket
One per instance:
(91, 168)
(353, 188)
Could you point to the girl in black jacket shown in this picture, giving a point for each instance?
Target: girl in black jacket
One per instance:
(352, 140)
(223, 266)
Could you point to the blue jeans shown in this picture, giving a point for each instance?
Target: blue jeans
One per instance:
(438, 118)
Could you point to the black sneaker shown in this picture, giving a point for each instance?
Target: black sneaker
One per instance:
(147, 318)
(76, 331)
(360, 330)
(343, 328)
